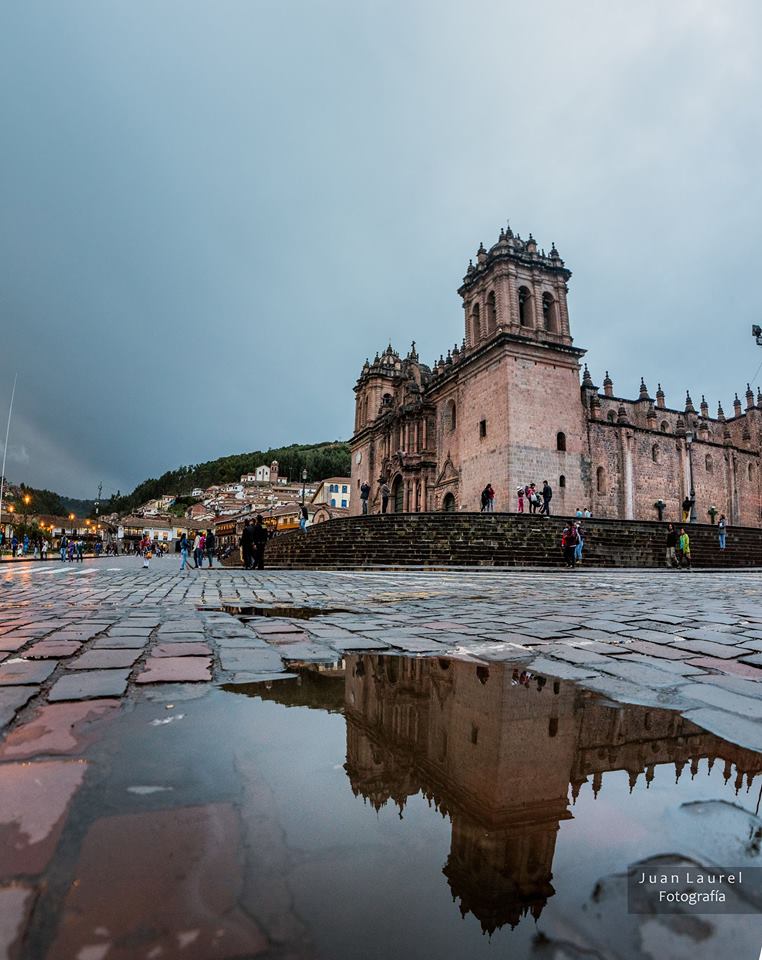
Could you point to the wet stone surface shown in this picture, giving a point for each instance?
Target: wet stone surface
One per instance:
(511, 741)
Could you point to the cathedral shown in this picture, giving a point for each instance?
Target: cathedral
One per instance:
(513, 404)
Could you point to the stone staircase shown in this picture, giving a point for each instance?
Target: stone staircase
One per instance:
(498, 539)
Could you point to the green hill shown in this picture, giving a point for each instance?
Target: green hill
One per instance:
(321, 460)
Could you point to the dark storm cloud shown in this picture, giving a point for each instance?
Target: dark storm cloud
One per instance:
(211, 213)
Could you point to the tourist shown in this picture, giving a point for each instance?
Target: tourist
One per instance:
(687, 503)
(45, 546)
(247, 543)
(385, 494)
(62, 548)
(303, 518)
(490, 498)
(588, 514)
(260, 541)
(520, 498)
(532, 497)
(211, 543)
(684, 545)
(364, 495)
(569, 541)
(484, 499)
(671, 555)
(198, 553)
(80, 550)
(15, 546)
(580, 542)
(183, 544)
(547, 494)
(722, 530)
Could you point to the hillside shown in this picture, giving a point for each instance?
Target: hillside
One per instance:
(321, 460)
(46, 501)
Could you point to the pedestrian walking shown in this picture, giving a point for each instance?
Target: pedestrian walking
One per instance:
(303, 518)
(45, 546)
(687, 509)
(671, 554)
(520, 499)
(260, 537)
(364, 495)
(485, 499)
(385, 494)
(198, 553)
(722, 530)
(247, 544)
(211, 543)
(684, 544)
(183, 544)
(546, 494)
(569, 541)
(490, 499)
(533, 497)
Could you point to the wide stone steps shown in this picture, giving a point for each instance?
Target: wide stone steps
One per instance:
(465, 539)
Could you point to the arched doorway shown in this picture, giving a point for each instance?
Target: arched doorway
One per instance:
(397, 494)
(448, 504)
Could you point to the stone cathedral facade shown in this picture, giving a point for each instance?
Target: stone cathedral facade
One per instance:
(512, 405)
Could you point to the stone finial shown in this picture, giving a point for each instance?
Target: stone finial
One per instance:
(554, 254)
(643, 390)
(759, 397)
(737, 406)
(448, 358)
(413, 355)
(659, 397)
(531, 244)
(608, 385)
(621, 416)
(508, 231)
(704, 406)
(680, 427)
(651, 412)
(689, 408)
(595, 407)
(587, 380)
(456, 352)
(481, 254)
(471, 268)
(749, 397)
(720, 413)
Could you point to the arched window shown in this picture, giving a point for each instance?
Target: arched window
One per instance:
(525, 307)
(708, 463)
(664, 426)
(655, 453)
(611, 416)
(491, 313)
(600, 480)
(476, 324)
(562, 481)
(549, 313)
(450, 417)
(561, 442)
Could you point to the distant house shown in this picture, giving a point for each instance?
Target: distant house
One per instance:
(334, 492)
(324, 512)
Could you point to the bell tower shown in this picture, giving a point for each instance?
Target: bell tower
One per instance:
(516, 288)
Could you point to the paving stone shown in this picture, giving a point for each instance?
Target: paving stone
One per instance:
(739, 685)
(251, 661)
(181, 650)
(638, 673)
(36, 797)
(740, 668)
(715, 696)
(57, 728)
(12, 699)
(754, 660)
(623, 691)
(578, 655)
(175, 670)
(89, 685)
(167, 872)
(564, 671)
(660, 651)
(105, 659)
(16, 902)
(120, 643)
(722, 650)
(652, 636)
(714, 636)
(729, 726)
(20, 672)
(12, 644)
(53, 649)
(679, 668)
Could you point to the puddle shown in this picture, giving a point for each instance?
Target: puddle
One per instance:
(244, 612)
(412, 808)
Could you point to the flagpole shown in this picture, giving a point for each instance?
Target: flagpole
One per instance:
(5, 449)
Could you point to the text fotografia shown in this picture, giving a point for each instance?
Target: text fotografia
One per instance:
(678, 888)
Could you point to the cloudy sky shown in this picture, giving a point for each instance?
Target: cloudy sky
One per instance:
(211, 213)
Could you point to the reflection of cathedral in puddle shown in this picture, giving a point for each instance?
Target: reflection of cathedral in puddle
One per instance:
(497, 752)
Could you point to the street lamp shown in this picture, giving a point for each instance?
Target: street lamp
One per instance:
(689, 443)
(72, 518)
(304, 482)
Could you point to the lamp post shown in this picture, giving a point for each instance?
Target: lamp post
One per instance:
(304, 483)
(27, 500)
(72, 518)
(689, 443)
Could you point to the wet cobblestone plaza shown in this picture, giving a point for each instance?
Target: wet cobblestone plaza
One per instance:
(303, 764)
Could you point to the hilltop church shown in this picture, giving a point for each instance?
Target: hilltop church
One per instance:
(508, 406)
